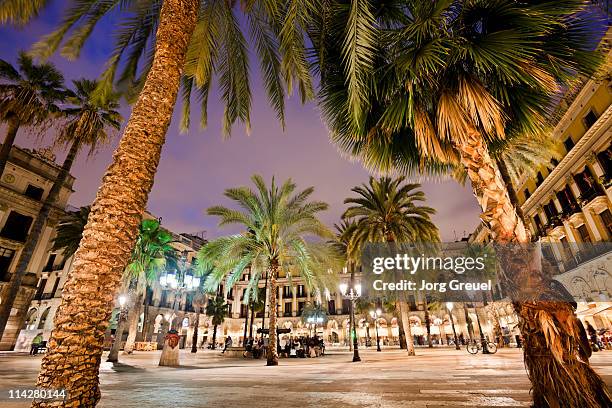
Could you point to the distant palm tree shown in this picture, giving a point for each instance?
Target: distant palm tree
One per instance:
(149, 257)
(28, 97)
(70, 231)
(277, 222)
(216, 309)
(160, 45)
(87, 122)
(388, 210)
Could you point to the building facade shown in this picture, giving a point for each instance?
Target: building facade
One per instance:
(26, 181)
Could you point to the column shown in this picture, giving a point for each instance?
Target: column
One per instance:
(557, 203)
(338, 304)
(281, 302)
(599, 172)
(294, 302)
(574, 187)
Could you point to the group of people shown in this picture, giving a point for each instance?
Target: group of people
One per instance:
(600, 340)
(292, 347)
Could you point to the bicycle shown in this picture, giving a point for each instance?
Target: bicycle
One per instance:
(474, 346)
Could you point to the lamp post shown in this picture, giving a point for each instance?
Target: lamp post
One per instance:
(375, 315)
(449, 307)
(352, 293)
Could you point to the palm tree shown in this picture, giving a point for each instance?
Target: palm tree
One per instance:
(87, 123)
(388, 210)
(198, 302)
(70, 231)
(159, 46)
(216, 309)
(152, 250)
(28, 97)
(451, 79)
(277, 220)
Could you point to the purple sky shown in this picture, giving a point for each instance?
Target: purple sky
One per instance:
(196, 167)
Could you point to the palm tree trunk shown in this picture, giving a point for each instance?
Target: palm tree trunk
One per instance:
(252, 321)
(559, 372)
(9, 140)
(75, 350)
(134, 318)
(214, 339)
(196, 325)
(272, 354)
(113, 355)
(132, 324)
(404, 311)
(428, 323)
(505, 175)
(400, 329)
(34, 237)
(468, 322)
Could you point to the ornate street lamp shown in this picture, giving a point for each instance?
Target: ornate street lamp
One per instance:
(449, 307)
(352, 292)
(179, 280)
(375, 315)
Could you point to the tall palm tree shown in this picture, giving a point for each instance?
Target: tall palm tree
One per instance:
(216, 309)
(70, 231)
(87, 123)
(159, 46)
(388, 210)
(28, 97)
(450, 79)
(153, 248)
(277, 222)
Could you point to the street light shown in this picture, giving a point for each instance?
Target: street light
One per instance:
(375, 315)
(122, 300)
(351, 293)
(449, 307)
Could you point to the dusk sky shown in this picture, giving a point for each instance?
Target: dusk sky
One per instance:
(196, 167)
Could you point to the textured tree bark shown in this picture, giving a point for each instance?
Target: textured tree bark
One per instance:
(9, 140)
(214, 338)
(400, 330)
(428, 324)
(113, 355)
(468, 321)
(132, 325)
(194, 338)
(505, 175)
(75, 346)
(556, 362)
(12, 289)
(134, 316)
(272, 354)
(404, 310)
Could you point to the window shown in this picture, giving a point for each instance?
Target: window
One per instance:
(16, 227)
(554, 162)
(6, 256)
(539, 179)
(527, 193)
(50, 262)
(34, 192)
(568, 143)
(606, 218)
(43, 319)
(287, 292)
(288, 309)
(300, 291)
(41, 288)
(590, 119)
(331, 306)
(584, 233)
(301, 307)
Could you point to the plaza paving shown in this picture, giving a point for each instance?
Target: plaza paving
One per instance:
(434, 378)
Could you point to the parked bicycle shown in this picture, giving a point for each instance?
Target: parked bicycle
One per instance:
(474, 347)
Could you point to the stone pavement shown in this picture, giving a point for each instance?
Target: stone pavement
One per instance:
(390, 379)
